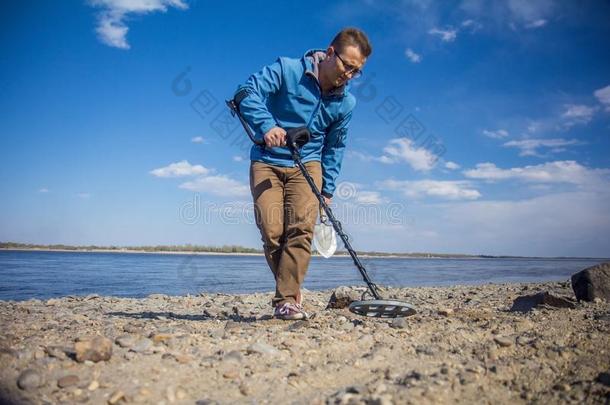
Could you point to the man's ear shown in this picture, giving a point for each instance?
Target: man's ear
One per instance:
(330, 51)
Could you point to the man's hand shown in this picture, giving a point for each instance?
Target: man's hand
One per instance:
(276, 136)
(327, 200)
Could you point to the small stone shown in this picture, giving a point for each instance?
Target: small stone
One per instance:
(116, 397)
(347, 326)
(125, 341)
(262, 348)
(342, 297)
(503, 341)
(233, 356)
(399, 323)
(180, 393)
(170, 394)
(231, 374)
(38, 354)
(445, 311)
(143, 345)
(29, 379)
(245, 389)
(562, 387)
(183, 358)
(161, 337)
(129, 328)
(97, 349)
(67, 381)
(93, 385)
(57, 352)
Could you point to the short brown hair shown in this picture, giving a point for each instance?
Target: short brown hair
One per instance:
(352, 37)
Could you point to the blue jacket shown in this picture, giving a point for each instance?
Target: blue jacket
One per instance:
(287, 94)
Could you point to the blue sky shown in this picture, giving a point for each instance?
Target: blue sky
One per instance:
(482, 127)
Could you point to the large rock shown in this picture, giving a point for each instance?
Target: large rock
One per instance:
(592, 283)
(525, 303)
(96, 349)
(342, 297)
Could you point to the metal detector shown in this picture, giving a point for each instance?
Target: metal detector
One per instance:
(377, 307)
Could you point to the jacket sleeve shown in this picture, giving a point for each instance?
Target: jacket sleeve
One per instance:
(258, 88)
(332, 154)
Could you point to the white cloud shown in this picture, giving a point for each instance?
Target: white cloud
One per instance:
(365, 157)
(561, 224)
(451, 166)
(577, 114)
(516, 14)
(43, 190)
(219, 185)
(530, 147)
(536, 24)
(84, 196)
(498, 134)
(603, 96)
(238, 159)
(197, 139)
(368, 197)
(530, 14)
(447, 35)
(180, 169)
(566, 171)
(111, 27)
(449, 190)
(403, 150)
(412, 56)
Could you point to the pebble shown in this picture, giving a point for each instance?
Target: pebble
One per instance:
(56, 352)
(67, 381)
(262, 348)
(97, 349)
(29, 379)
(445, 311)
(130, 328)
(162, 337)
(503, 341)
(231, 374)
(233, 356)
(116, 397)
(143, 345)
(399, 323)
(170, 394)
(125, 341)
(93, 385)
(180, 393)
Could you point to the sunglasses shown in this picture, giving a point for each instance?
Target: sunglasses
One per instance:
(355, 72)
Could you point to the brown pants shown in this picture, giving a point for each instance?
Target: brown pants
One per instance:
(285, 209)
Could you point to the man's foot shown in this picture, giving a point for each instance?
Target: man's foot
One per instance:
(289, 312)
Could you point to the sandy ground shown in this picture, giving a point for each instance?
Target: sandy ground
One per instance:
(463, 346)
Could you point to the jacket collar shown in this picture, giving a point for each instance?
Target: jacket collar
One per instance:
(311, 59)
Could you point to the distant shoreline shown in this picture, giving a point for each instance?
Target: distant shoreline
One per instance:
(338, 255)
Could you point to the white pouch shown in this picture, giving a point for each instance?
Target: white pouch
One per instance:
(324, 237)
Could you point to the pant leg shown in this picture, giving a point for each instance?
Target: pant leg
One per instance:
(267, 187)
(300, 213)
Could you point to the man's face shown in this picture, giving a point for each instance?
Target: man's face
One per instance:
(343, 65)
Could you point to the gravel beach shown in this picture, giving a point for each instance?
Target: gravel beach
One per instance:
(466, 344)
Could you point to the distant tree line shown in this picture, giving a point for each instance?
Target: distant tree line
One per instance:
(159, 248)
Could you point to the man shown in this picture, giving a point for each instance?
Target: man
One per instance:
(289, 93)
